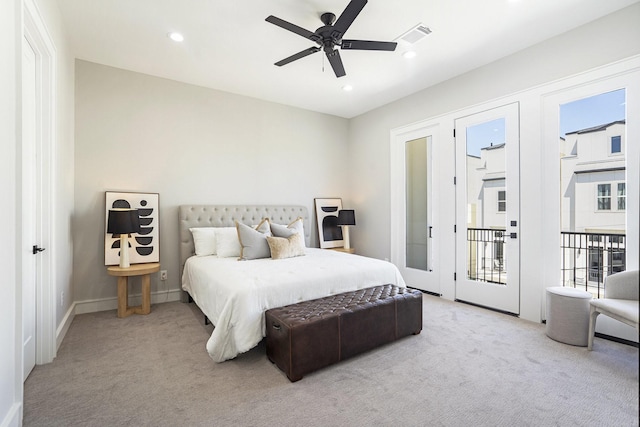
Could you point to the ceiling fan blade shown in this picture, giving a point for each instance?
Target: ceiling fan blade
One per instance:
(348, 16)
(368, 45)
(291, 27)
(297, 56)
(336, 63)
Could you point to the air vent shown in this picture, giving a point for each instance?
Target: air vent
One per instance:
(415, 34)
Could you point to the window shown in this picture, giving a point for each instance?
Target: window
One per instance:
(622, 196)
(616, 144)
(616, 239)
(617, 259)
(604, 197)
(502, 201)
(595, 264)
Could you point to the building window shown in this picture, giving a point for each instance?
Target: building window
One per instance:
(595, 264)
(616, 239)
(502, 201)
(617, 260)
(616, 144)
(604, 197)
(622, 196)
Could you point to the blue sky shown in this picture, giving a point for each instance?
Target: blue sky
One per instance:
(581, 114)
(483, 135)
(596, 110)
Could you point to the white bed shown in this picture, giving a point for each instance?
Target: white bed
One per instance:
(235, 294)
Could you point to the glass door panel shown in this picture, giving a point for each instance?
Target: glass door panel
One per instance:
(417, 204)
(592, 153)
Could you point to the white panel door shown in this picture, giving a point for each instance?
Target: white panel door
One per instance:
(487, 209)
(29, 207)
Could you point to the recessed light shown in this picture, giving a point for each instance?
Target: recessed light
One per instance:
(176, 37)
(409, 54)
(347, 88)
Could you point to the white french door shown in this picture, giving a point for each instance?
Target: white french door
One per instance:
(413, 222)
(488, 208)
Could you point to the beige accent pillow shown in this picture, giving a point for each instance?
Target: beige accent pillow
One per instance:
(288, 247)
(296, 226)
(253, 242)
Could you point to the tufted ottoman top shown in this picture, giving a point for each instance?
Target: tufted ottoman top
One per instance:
(334, 305)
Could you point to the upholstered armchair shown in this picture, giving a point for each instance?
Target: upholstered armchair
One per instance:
(620, 301)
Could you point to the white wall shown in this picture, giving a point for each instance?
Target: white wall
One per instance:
(606, 40)
(10, 303)
(191, 145)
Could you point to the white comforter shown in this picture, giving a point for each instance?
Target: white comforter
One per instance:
(235, 294)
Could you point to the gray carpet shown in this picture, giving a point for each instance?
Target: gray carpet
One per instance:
(469, 366)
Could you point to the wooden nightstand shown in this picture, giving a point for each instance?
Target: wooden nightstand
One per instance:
(123, 275)
(349, 251)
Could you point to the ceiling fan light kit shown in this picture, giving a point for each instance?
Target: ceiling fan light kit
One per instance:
(329, 36)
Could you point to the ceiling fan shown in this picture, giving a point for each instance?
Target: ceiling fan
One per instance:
(330, 35)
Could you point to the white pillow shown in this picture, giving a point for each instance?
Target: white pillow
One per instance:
(204, 240)
(227, 243)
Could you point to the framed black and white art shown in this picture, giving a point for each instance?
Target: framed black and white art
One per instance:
(144, 246)
(329, 232)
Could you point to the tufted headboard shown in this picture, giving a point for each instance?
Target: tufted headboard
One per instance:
(226, 215)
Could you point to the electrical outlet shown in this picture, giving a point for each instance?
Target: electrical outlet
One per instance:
(163, 274)
(61, 299)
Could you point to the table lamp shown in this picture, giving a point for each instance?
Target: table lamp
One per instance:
(346, 218)
(121, 222)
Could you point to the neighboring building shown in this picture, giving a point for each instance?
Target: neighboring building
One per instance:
(486, 209)
(593, 202)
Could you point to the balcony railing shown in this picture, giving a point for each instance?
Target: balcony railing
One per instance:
(486, 260)
(588, 258)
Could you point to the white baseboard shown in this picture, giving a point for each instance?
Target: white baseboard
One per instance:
(64, 325)
(13, 417)
(103, 304)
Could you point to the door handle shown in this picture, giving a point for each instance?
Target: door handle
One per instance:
(37, 249)
(430, 228)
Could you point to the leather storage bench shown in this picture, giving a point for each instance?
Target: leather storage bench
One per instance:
(309, 335)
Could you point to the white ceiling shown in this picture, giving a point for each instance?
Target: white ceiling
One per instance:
(230, 47)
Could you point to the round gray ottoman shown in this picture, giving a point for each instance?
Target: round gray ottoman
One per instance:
(568, 315)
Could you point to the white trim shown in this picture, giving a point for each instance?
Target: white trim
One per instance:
(104, 304)
(63, 328)
(14, 415)
(35, 31)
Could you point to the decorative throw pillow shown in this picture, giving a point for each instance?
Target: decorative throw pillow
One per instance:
(253, 242)
(297, 226)
(288, 247)
(227, 243)
(204, 240)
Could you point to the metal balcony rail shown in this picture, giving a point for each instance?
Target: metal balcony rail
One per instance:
(486, 259)
(588, 258)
